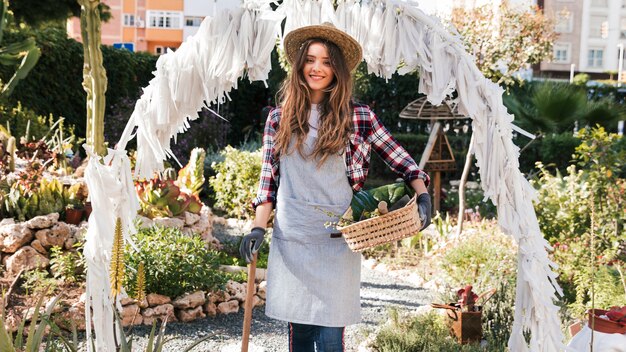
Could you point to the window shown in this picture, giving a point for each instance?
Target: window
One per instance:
(129, 20)
(594, 57)
(165, 19)
(160, 50)
(564, 21)
(598, 27)
(598, 3)
(561, 52)
(193, 21)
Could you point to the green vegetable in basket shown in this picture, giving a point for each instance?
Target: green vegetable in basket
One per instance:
(362, 201)
(391, 193)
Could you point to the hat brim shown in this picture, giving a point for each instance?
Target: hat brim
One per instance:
(350, 48)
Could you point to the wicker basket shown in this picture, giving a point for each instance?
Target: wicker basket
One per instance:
(390, 227)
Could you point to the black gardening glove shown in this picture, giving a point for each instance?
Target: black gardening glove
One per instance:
(424, 209)
(251, 243)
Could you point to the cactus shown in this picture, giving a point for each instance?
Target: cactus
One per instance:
(94, 74)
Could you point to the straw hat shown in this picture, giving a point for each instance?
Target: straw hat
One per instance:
(350, 48)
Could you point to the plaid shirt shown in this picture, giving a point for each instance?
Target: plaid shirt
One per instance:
(368, 132)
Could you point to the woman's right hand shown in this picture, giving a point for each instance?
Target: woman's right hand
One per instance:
(251, 243)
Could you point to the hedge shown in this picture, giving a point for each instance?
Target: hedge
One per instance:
(54, 86)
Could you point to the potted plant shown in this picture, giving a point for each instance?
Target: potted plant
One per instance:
(74, 213)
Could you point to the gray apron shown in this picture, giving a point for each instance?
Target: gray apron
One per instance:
(312, 278)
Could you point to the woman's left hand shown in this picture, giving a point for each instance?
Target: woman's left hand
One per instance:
(424, 209)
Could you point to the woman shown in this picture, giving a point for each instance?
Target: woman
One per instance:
(316, 146)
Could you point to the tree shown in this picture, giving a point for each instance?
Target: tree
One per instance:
(50, 11)
(505, 40)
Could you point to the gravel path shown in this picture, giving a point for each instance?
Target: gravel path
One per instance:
(379, 292)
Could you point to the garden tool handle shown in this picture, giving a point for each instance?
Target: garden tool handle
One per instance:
(486, 296)
(247, 314)
(444, 306)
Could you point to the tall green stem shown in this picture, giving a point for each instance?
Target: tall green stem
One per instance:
(94, 74)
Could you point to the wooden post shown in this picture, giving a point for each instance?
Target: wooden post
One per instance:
(437, 190)
(247, 314)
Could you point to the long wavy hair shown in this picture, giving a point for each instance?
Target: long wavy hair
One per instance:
(335, 121)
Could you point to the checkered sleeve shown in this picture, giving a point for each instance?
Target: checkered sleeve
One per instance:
(268, 182)
(394, 155)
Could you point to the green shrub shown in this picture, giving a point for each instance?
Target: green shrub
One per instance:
(581, 215)
(37, 282)
(68, 266)
(562, 208)
(175, 263)
(427, 332)
(20, 119)
(483, 259)
(236, 181)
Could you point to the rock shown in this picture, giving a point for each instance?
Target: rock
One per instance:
(144, 222)
(26, 258)
(256, 301)
(204, 226)
(56, 236)
(262, 289)
(12, 322)
(43, 221)
(186, 315)
(14, 236)
(162, 312)
(169, 222)
(210, 309)
(7, 221)
(228, 307)
(191, 218)
(219, 220)
(69, 243)
(127, 301)
(39, 247)
(73, 316)
(236, 290)
(192, 300)
(131, 315)
(155, 299)
(219, 297)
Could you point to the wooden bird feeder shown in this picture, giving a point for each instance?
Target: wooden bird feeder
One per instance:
(437, 156)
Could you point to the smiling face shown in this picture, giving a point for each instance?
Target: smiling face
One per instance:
(317, 71)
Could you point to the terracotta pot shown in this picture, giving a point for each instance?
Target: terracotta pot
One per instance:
(73, 216)
(604, 325)
(88, 210)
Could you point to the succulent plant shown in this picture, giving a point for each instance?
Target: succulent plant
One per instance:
(159, 198)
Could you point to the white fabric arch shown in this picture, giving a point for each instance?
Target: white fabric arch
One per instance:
(237, 43)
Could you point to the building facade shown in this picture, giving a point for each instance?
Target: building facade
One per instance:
(592, 36)
(152, 25)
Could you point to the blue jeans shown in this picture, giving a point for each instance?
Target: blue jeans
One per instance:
(313, 338)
